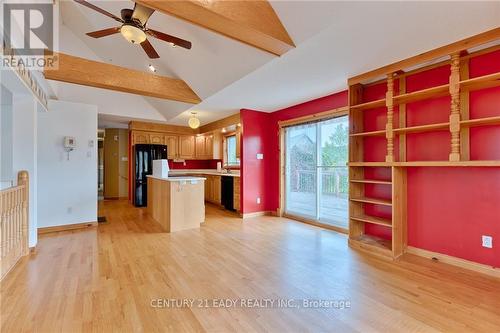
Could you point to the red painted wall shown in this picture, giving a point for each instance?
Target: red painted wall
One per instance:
(194, 164)
(448, 208)
(261, 132)
(255, 174)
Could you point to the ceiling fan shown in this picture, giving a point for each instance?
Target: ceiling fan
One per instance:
(133, 28)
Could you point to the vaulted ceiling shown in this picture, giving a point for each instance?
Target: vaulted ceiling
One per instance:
(334, 40)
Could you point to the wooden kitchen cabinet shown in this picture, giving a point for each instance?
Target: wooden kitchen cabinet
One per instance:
(217, 145)
(209, 146)
(172, 142)
(238, 142)
(200, 147)
(236, 193)
(217, 190)
(204, 147)
(156, 138)
(213, 189)
(140, 137)
(186, 146)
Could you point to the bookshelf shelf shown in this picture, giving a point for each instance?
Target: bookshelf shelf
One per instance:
(368, 105)
(422, 128)
(372, 244)
(371, 181)
(373, 201)
(372, 133)
(369, 164)
(448, 164)
(415, 96)
(481, 82)
(373, 220)
(480, 122)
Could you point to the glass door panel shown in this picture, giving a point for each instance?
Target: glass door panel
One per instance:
(333, 172)
(316, 174)
(301, 178)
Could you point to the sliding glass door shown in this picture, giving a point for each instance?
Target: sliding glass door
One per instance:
(301, 175)
(316, 179)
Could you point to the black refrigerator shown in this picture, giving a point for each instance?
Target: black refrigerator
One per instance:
(144, 155)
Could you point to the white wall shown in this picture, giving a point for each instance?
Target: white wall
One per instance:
(67, 189)
(6, 137)
(24, 156)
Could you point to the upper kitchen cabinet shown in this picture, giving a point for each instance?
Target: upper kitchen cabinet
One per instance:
(205, 146)
(139, 137)
(172, 142)
(186, 147)
(156, 138)
(217, 145)
(238, 141)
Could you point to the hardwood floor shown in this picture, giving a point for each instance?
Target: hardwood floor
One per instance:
(106, 278)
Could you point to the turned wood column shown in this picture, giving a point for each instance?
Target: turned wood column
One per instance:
(390, 118)
(455, 107)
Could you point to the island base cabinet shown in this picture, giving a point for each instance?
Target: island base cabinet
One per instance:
(176, 205)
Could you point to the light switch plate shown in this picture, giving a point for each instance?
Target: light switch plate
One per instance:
(260, 156)
(487, 241)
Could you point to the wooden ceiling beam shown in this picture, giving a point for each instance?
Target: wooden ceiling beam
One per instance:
(254, 23)
(91, 73)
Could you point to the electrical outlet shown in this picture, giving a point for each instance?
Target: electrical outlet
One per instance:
(487, 241)
(258, 200)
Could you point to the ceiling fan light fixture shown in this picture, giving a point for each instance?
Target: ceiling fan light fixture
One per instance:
(193, 122)
(133, 34)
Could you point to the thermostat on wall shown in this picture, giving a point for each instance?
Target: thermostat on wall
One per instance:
(69, 142)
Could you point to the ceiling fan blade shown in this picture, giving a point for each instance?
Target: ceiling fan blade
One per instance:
(99, 10)
(149, 49)
(169, 39)
(104, 32)
(142, 13)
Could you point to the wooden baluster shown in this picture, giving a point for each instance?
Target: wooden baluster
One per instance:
(390, 118)
(455, 107)
(23, 179)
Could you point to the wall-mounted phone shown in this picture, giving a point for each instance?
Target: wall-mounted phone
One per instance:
(69, 144)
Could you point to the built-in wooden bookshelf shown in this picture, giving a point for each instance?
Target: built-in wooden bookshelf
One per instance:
(397, 132)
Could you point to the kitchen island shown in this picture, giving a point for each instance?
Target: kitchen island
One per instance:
(213, 184)
(177, 203)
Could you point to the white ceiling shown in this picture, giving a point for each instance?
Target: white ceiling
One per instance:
(335, 40)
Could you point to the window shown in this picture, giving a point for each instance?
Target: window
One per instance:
(230, 157)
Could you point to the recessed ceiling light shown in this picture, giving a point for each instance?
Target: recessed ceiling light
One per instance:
(152, 68)
(173, 45)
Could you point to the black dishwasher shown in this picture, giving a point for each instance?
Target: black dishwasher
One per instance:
(227, 192)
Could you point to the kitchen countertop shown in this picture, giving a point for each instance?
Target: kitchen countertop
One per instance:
(214, 172)
(177, 178)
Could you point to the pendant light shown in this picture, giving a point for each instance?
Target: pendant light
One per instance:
(193, 122)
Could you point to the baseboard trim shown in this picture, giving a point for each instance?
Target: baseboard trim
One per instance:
(255, 214)
(459, 262)
(66, 227)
